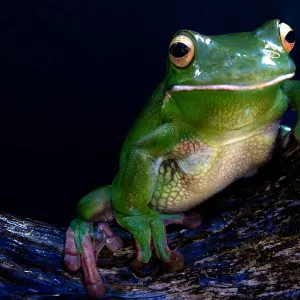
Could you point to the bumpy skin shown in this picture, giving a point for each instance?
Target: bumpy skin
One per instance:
(206, 125)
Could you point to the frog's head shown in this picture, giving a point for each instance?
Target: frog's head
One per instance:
(228, 79)
(239, 61)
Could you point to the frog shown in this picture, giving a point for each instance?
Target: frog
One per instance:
(215, 118)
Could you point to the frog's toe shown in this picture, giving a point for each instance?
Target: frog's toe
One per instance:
(114, 243)
(174, 263)
(192, 220)
(72, 263)
(71, 258)
(137, 265)
(92, 279)
(104, 236)
(96, 290)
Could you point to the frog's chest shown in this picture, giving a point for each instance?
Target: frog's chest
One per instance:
(195, 171)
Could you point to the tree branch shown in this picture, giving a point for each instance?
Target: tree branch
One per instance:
(247, 248)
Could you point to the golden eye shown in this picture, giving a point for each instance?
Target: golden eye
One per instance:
(287, 36)
(181, 51)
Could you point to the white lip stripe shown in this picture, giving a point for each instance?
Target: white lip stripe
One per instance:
(178, 88)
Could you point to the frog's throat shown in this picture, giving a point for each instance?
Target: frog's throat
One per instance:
(231, 87)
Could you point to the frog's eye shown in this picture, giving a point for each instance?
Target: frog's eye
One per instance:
(287, 35)
(181, 51)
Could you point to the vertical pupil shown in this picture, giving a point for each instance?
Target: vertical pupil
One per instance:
(179, 50)
(290, 37)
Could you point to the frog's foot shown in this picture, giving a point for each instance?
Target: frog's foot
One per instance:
(192, 221)
(149, 233)
(103, 236)
(83, 245)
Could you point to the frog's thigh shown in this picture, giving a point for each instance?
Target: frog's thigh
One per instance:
(96, 205)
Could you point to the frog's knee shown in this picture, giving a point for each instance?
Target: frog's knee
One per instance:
(96, 206)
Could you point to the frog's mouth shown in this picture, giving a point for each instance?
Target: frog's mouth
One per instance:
(232, 87)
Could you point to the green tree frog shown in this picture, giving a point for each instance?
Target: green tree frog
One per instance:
(212, 120)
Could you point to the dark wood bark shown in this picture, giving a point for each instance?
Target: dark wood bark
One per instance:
(247, 248)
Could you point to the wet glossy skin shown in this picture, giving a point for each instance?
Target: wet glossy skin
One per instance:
(213, 119)
(234, 59)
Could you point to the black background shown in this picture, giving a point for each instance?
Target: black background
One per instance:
(74, 76)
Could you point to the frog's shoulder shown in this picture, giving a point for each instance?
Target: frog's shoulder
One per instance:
(148, 119)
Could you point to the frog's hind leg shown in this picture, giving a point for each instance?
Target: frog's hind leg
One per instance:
(84, 239)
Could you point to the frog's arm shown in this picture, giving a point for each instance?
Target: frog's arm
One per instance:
(133, 187)
(147, 121)
(138, 174)
(291, 88)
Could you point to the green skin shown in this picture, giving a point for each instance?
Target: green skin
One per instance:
(254, 64)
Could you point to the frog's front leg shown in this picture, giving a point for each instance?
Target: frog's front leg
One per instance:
(132, 191)
(291, 88)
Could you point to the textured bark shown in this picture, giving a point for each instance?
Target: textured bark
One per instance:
(247, 248)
